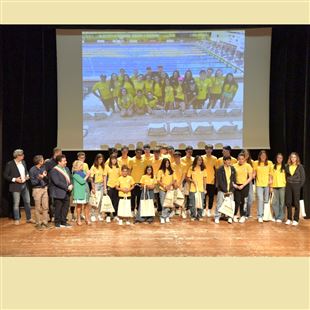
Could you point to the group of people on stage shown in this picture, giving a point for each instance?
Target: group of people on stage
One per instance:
(154, 176)
(142, 93)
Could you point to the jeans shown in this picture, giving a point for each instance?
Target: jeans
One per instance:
(165, 211)
(278, 202)
(195, 212)
(263, 196)
(219, 201)
(249, 201)
(26, 199)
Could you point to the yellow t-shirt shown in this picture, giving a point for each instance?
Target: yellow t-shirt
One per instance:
(278, 176)
(171, 158)
(242, 172)
(125, 182)
(292, 169)
(112, 174)
(116, 89)
(140, 102)
(158, 92)
(125, 101)
(169, 94)
(198, 177)
(85, 167)
(202, 86)
(262, 173)
(187, 161)
(179, 171)
(148, 161)
(228, 175)
(97, 174)
(147, 180)
(123, 161)
(130, 88)
(216, 85)
(139, 85)
(230, 89)
(148, 86)
(156, 165)
(152, 103)
(165, 178)
(104, 89)
(137, 167)
(179, 94)
(210, 163)
(220, 161)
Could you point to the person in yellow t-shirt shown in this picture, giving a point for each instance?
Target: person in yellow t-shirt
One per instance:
(124, 185)
(127, 83)
(148, 183)
(244, 174)
(179, 95)
(137, 167)
(250, 198)
(147, 156)
(197, 176)
(179, 170)
(156, 165)
(230, 88)
(226, 152)
(203, 87)
(169, 95)
(111, 174)
(210, 162)
(125, 103)
(171, 154)
(152, 103)
(139, 83)
(148, 84)
(135, 75)
(263, 179)
(278, 188)
(216, 88)
(124, 159)
(102, 91)
(158, 90)
(140, 103)
(115, 87)
(166, 180)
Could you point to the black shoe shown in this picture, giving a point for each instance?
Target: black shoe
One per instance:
(57, 225)
(67, 225)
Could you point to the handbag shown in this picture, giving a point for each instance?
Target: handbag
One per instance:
(198, 200)
(178, 198)
(147, 205)
(169, 197)
(94, 199)
(267, 210)
(302, 211)
(106, 204)
(228, 207)
(124, 208)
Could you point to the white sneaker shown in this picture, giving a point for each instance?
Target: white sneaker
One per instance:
(216, 221)
(108, 219)
(288, 222)
(193, 219)
(100, 218)
(120, 222)
(184, 215)
(260, 220)
(116, 219)
(128, 223)
(133, 213)
(177, 212)
(172, 214)
(229, 220)
(295, 223)
(279, 221)
(236, 219)
(273, 219)
(167, 220)
(93, 218)
(162, 221)
(204, 212)
(209, 213)
(242, 219)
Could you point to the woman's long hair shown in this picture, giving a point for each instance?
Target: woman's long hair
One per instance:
(289, 161)
(202, 166)
(163, 166)
(259, 156)
(276, 163)
(96, 161)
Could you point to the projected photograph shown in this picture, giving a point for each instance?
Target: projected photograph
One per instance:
(162, 87)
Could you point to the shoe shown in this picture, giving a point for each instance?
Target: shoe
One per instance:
(217, 221)
(236, 219)
(31, 221)
(133, 214)
(167, 220)
(246, 217)
(177, 212)
(108, 219)
(16, 222)
(57, 225)
(260, 220)
(120, 222)
(38, 226)
(193, 219)
(128, 223)
(242, 219)
(288, 222)
(73, 218)
(229, 220)
(204, 212)
(116, 219)
(67, 225)
(93, 218)
(295, 223)
(100, 218)
(209, 213)
(45, 225)
(200, 219)
(273, 219)
(279, 221)
(184, 215)
(162, 221)
(172, 214)
(87, 222)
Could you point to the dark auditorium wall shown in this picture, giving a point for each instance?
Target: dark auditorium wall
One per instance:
(28, 94)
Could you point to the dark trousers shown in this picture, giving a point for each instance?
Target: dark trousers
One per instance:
(210, 194)
(239, 196)
(157, 202)
(135, 197)
(51, 207)
(292, 197)
(113, 194)
(61, 210)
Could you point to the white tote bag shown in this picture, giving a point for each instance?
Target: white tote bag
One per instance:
(124, 208)
(228, 207)
(267, 210)
(169, 197)
(302, 211)
(198, 201)
(94, 199)
(147, 205)
(106, 204)
(178, 198)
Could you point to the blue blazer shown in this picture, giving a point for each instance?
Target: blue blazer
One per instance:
(58, 184)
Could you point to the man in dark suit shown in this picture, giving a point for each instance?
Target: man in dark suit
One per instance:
(16, 174)
(60, 190)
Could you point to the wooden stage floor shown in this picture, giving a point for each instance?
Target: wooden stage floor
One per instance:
(178, 238)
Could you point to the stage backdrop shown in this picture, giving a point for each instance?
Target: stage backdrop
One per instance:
(28, 90)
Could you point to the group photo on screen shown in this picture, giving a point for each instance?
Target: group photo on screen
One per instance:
(162, 86)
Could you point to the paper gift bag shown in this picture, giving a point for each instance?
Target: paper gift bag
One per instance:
(267, 210)
(227, 207)
(147, 207)
(106, 204)
(198, 201)
(169, 197)
(302, 212)
(124, 208)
